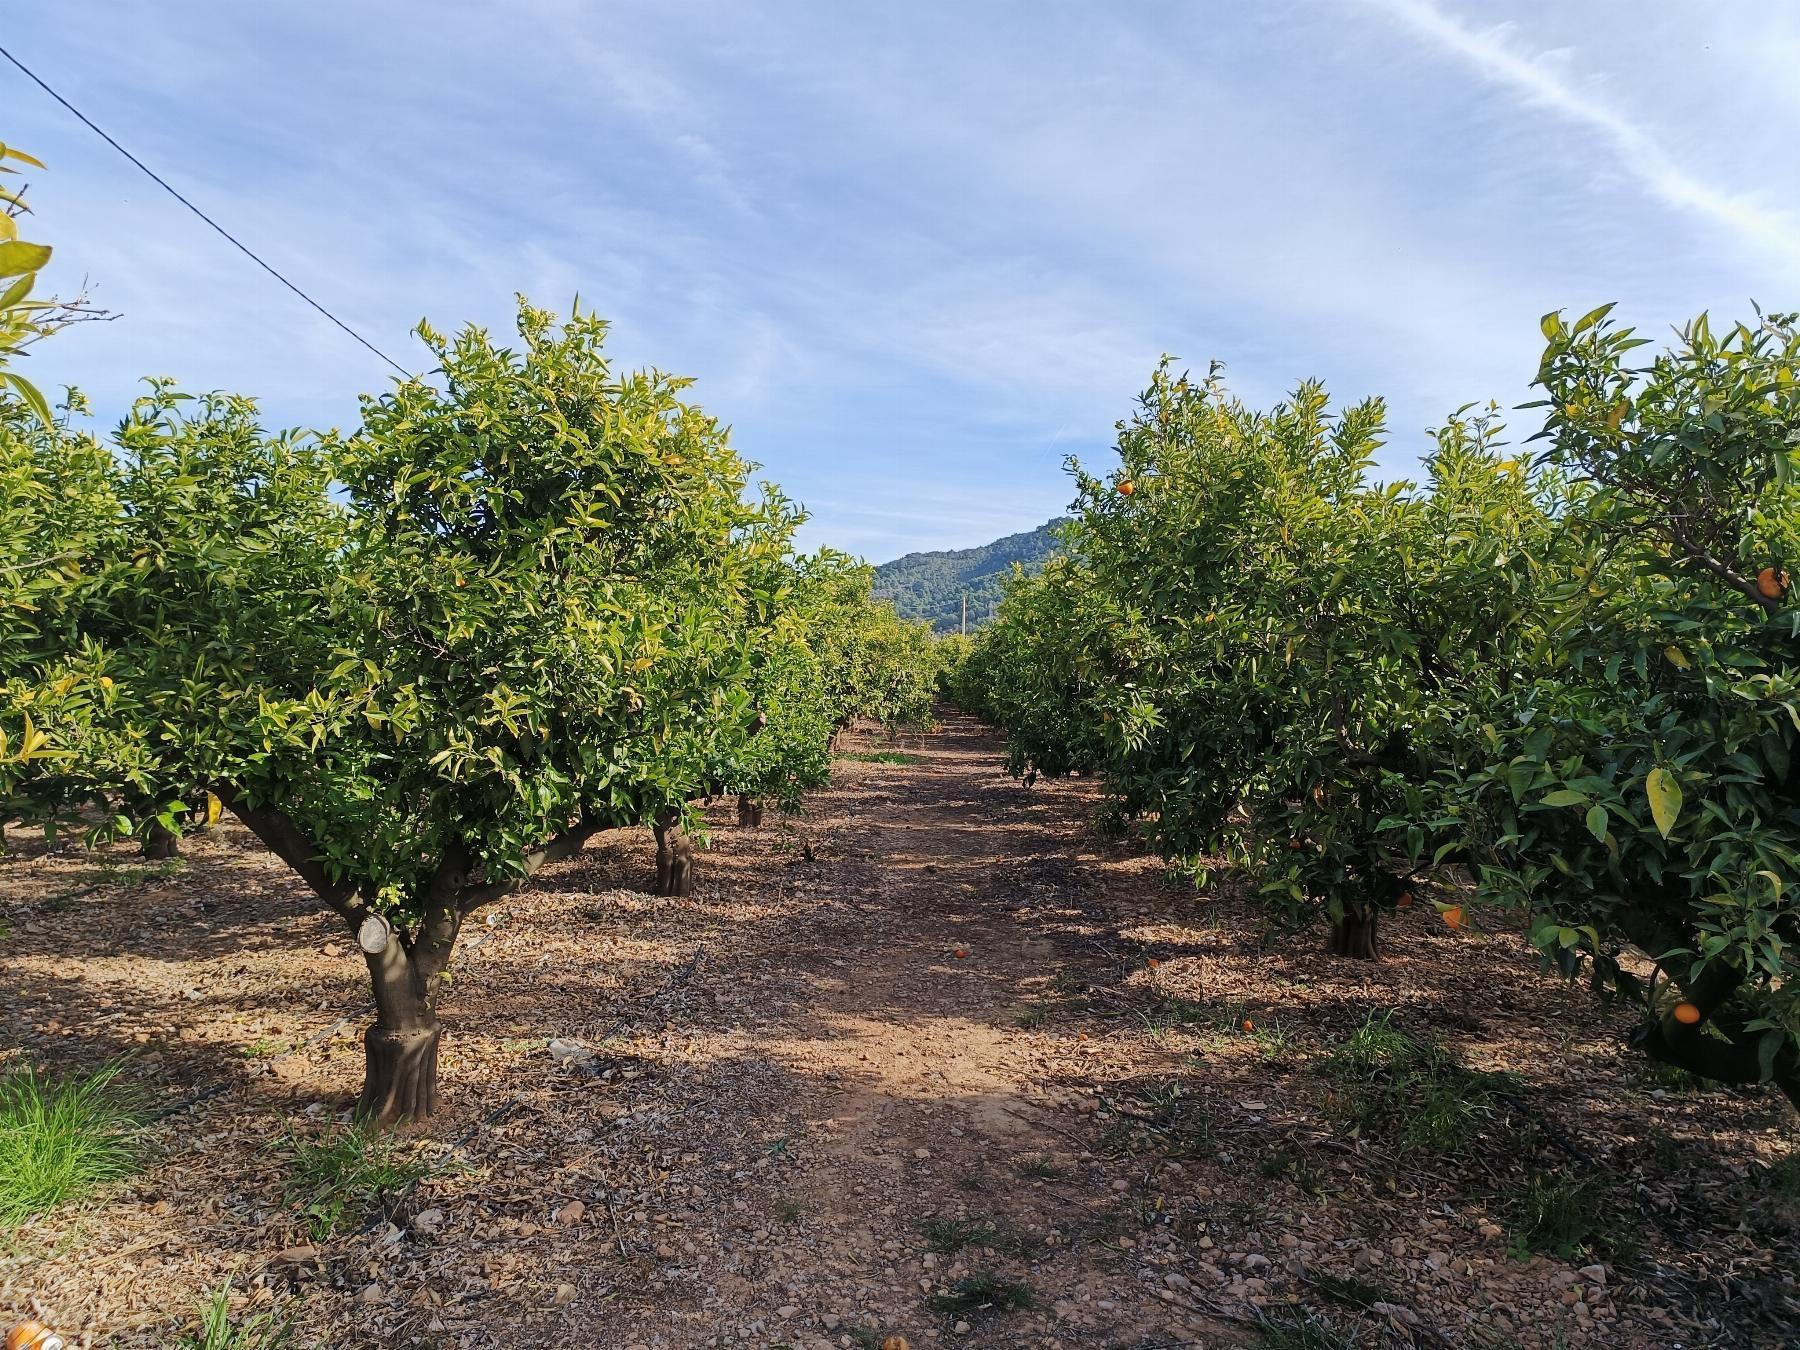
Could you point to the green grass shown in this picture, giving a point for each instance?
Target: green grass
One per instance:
(1040, 1165)
(1289, 1164)
(340, 1178)
(1784, 1177)
(61, 1139)
(947, 1237)
(787, 1211)
(1567, 1217)
(217, 1331)
(884, 757)
(1297, 1329)
(264, 1049)
(982, 1294)
(1223, 1022)
(1391, 1084)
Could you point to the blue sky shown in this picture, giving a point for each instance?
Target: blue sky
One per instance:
(915, 254)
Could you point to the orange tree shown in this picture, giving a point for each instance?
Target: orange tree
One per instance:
(1270, 654)
(1040, 670)
(518, 606)
(1639, 788)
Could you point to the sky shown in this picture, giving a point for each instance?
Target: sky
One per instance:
(916, 254)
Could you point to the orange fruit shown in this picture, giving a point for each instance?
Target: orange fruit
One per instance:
(1154, 963)
(30, 1335)
(895, 1343)
(1126, 487)
(1454, 916)
(960, 952)
(1293, 846)
(1772, 583)
(1405, 900)
(1249, 1025)
(1686, 1014)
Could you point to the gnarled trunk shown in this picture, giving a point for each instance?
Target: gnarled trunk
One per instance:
(1357, 934)
(674, 855)
(401, 1047)
(750, 811)
(161, 843)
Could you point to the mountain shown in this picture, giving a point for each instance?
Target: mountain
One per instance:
(932, 585)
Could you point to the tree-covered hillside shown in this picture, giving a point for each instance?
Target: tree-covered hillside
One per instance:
(932, 585)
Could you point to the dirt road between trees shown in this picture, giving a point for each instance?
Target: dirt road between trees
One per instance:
(935, 1059)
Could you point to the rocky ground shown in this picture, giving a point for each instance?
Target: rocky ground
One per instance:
(933, 1060)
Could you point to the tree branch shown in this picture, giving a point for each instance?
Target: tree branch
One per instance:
(565, 845)
(286, 841)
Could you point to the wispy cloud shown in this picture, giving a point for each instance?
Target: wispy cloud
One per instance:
(1544, 81)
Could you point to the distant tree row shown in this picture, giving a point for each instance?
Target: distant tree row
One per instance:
(1561, 681)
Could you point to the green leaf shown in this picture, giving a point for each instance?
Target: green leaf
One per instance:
(1597, 821)
(18, 257)
(1565, 797)
(1665, 798)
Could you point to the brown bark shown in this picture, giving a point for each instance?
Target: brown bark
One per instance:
(1357, 934)
(161, 843)
(401, 1047)
(674, 855)
(750, 811)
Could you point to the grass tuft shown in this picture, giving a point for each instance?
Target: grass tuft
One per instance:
(1040, 1165)
(217, 1331)
(984, 1293)
(61, 1139)
(1290, 1164)
(1297, 1329)
(885, 757)
(1564, 1216)
(947, 1236)
(341, 1177)
(1389, 1083)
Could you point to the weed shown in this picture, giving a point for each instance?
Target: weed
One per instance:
(1044, 1166)
(1172, 1118)
(1653, 1073)
(1031, 1017)
(1291, 1165)
(264, 1049)
(984, 1293)
(1566, 1217)
(1348, 1290)
(786, 1211)
(947, 1236)
(1390, 1083)
(216, 1331)
(60, 1139)
(1784, 1177)
(885, 757)
(341, 1177)
(1297, 1329)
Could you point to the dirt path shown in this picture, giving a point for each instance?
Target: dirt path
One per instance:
(787, 1112)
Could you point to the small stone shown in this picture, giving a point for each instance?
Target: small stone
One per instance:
(571, 1213)
(962, 1329)
(1121, 1186)
(371, 1293)
(296, 1256)
(1492, 1230)
(1176, 1280)
(921, 1153)
(428, 1221)
(1595, 1274)
(831, 1321)
(787, 1310)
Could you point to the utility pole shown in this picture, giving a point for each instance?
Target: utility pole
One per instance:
(965, 627)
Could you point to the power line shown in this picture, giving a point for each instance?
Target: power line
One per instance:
(223, 232)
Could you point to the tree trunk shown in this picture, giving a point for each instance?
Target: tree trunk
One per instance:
(401, 1047)
(674, 855)
(750, 811)
(1357, 934)
(160, 843)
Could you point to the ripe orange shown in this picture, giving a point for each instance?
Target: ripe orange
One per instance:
(1686, 1014)
(1126, 487)
(1454, 917)
(1154, 963)
(30, 1335)
(1772, 583)
(1293, 846)
(1249, 1025)
(896, 1343)
(960, 952)
(1405, 901)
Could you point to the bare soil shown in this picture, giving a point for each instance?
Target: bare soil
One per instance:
(938, 1007)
